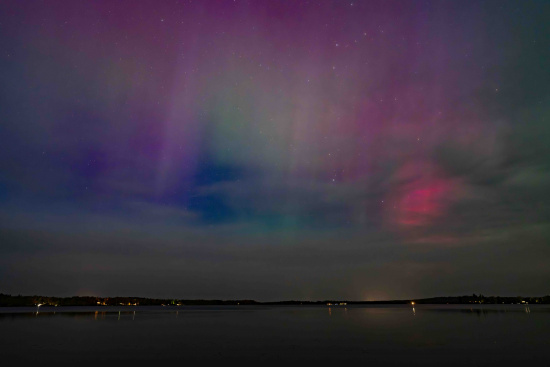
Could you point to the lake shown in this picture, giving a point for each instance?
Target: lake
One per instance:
(427, 335)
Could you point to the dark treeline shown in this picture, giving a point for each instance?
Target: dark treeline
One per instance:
(7, 300)
(484, 300)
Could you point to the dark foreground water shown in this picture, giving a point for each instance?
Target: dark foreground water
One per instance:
(381, 335)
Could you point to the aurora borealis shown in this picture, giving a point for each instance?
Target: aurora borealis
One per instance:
(274, 149)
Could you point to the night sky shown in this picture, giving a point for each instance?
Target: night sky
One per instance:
(275, 150)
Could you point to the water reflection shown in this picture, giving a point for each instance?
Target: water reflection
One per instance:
(79, 315)
(488, 310)
(348, 311)
(374, 335)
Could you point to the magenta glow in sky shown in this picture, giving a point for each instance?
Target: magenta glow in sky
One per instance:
(274, 149)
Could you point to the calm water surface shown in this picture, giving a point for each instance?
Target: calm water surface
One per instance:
(384, 335)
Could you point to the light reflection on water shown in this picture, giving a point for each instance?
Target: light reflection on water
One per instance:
(105, 311)
(449, 334)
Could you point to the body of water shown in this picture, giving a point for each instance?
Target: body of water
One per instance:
(427, 335)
